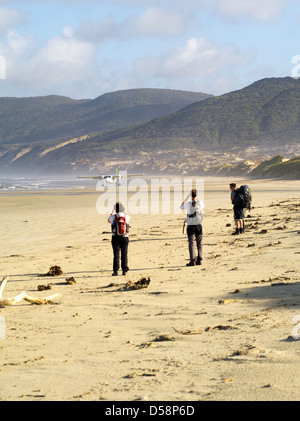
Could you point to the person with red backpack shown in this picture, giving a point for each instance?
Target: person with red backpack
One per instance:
(119, 221)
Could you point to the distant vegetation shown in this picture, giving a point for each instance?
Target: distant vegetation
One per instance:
(54, 132)
(266, 112)
(52, 118)
(278, 167)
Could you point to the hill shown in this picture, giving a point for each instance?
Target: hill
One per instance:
(52, 118)
(265, 113)
(278, 167)
(212, 136)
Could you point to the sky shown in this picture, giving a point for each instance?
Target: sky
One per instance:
(86, 48)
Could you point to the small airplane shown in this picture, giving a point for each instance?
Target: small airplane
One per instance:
(111, 178)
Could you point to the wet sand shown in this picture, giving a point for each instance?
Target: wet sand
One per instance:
(220, 331)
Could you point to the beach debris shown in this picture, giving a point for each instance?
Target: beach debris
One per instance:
(188, 332)
(271, 244)
(23, 296)
(145, 345)
(251, 227)
(54, 271)
(220, 327)
(142, 283)
(214, 256)
(70, 281)
(151, 373)
(162, 338)
(246, 350)
(284, 227)
(44, 287)
(229, 300)
(128, 286)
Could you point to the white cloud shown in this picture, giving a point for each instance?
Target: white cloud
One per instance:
(61, 60)
(261, 10)
(156, 22)
(14, 51)
(17, 44)
(198, 57)
(152, 23)
(68, 31)
(9, 18)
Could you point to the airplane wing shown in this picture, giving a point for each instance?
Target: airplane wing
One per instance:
(133, 175)
(96, 177)
(113, 177)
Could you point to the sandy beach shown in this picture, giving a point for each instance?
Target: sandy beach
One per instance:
(224, 330)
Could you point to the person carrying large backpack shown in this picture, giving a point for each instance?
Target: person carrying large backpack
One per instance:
(241, 199)
(119, 221)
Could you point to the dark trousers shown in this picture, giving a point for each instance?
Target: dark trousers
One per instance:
(194, 233)
(120, 243)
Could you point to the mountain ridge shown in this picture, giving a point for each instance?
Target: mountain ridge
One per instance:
(243, 117)
(258, 121)
(52, 118)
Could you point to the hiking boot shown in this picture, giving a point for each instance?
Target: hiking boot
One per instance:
(191, 263)
(241, 230)
(198, 261)
(115, 274)
(237, 231)
(124, 271)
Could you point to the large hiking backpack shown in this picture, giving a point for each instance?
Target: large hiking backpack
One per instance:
(243, 197)
(120, 224)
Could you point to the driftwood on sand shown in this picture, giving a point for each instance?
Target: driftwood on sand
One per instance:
(22, 296)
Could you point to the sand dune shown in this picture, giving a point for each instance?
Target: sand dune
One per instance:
(226, 330)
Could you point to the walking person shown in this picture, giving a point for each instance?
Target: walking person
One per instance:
(238, 211)
(119, 221)
(195, 213)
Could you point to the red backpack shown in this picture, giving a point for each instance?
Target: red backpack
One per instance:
(120, 219)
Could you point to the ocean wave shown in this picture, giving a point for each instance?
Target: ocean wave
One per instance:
(39, 184)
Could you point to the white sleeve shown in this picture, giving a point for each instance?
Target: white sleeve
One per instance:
(185, 206)
(111, 218)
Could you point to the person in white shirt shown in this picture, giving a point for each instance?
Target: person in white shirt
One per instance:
(119, 220)
(195, 213)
